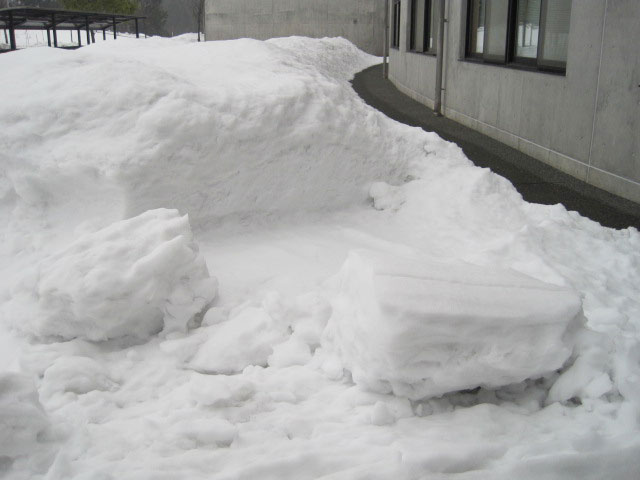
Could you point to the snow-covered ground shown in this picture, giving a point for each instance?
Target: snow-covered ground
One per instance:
(348, 298)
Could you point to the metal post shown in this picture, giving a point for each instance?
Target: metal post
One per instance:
(55, 30)
(79, 38)
(437, 107)
(12, 32)
(115, 32)
(137, 29)
(385, 47)
(104, 34)
(88, 32)
(49, 36)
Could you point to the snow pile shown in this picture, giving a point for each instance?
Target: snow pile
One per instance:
(220, 390)
(131, 279)
(22, 418)
(259, 143)
(337, 59)
(75, 374)
(215, 129)
(276, 334)
(246, 339)
(421, 328)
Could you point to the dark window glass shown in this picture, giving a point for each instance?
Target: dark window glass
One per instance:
(418, 24)
(495, 32)
(423, 18)
(476, 27)
(528, 28)
(555, 33)
(395, 36)
(434, 15)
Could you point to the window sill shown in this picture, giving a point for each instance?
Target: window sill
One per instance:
(516, 66)
(426, 54)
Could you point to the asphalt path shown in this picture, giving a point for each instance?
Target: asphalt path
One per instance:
(536, 181)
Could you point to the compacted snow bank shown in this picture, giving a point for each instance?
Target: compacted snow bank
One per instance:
(212, 129)
(382, 309)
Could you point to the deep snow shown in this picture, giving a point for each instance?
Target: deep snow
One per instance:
(304, 357)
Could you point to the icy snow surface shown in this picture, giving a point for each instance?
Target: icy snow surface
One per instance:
(478, 337)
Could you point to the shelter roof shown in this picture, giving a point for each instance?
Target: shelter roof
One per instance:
(34, 18)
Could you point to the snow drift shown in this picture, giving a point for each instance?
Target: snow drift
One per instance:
(420, 328)
(213, 130)
(131, 279)
(249, 139)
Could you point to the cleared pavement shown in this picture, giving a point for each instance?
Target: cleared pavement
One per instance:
(536, 181)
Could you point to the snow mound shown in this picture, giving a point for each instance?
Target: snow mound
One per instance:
(22, 418)
(216, 130)
(338, 58)
(421, 328)
(131, 279)
(246, 339)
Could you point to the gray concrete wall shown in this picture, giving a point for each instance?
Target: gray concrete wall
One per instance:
(360, 21)
(585, 123)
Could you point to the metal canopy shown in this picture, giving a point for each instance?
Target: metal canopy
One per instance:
(51, 19)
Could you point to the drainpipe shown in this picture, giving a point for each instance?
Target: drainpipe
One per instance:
(437, 107)
(385, 47)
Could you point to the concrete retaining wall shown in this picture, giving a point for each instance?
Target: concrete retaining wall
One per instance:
(586, 123)
(360, 21)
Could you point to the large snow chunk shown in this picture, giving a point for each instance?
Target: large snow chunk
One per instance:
(22, 418)
(422, 328)
(131, 279)
(246, 339)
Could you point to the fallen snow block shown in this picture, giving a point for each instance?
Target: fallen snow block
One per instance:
(246, 339)
(22, 418)
(133, 278)
(421, 328)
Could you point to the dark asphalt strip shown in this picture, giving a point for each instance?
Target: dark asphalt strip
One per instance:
(536, 181)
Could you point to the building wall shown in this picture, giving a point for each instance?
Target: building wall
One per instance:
(586, 123)
(360, 21)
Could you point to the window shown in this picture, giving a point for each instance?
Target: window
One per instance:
(519, 32)
(395, 34)
(475, 30)
(555, 33)
(527, 30)
(423, 26)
